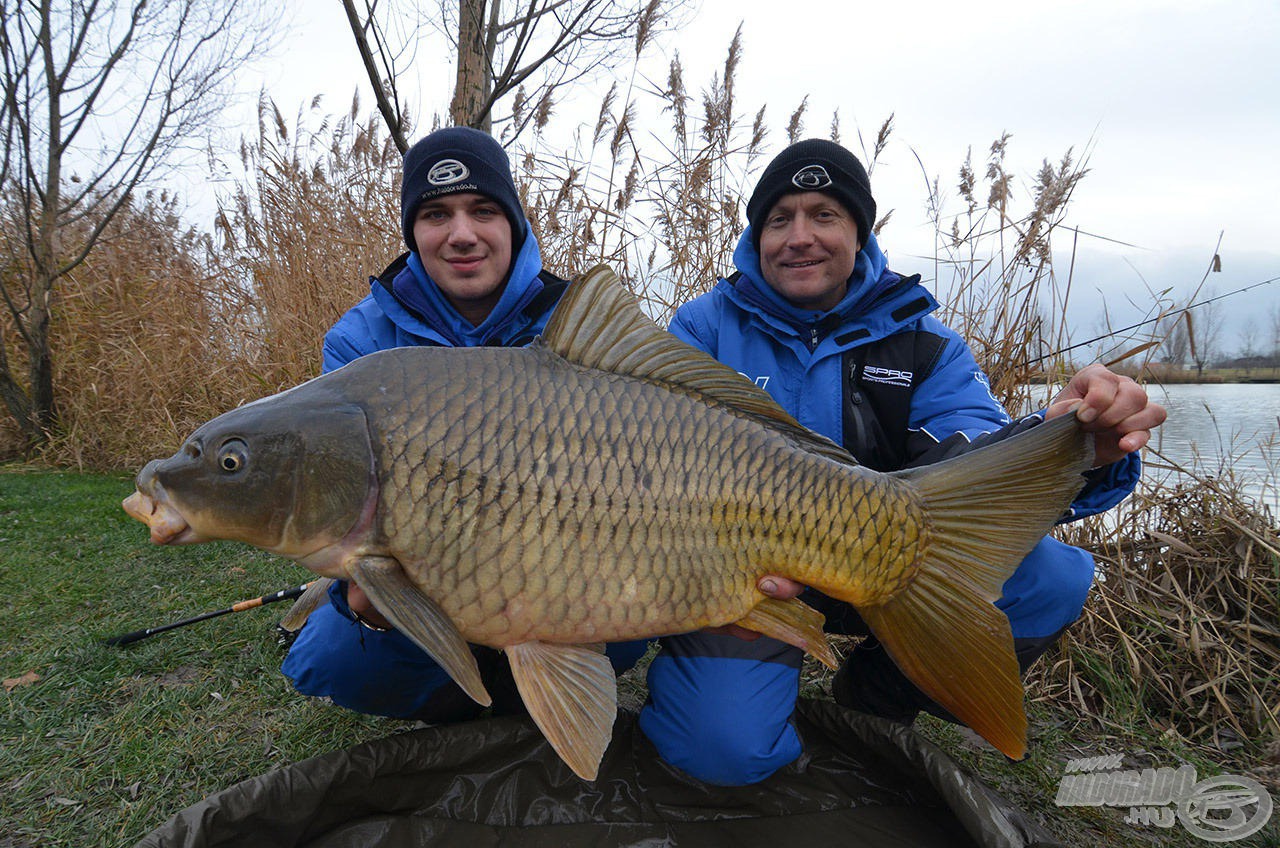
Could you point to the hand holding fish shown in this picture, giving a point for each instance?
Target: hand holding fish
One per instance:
(774, 586)
(1112, 407)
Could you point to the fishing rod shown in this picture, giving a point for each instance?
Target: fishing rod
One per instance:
(1159, 317)
(282, 595)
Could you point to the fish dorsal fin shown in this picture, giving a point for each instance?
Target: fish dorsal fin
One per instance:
(598, 324)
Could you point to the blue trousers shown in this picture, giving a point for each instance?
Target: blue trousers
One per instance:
(387, 674)
(719, 707)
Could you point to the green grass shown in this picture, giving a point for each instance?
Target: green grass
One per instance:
(111, 742)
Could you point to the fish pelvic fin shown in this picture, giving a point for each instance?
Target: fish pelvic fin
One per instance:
(985, 511)
(572, 695)
(794, 622)
(316, 596)
(598, 324)
(421, 619)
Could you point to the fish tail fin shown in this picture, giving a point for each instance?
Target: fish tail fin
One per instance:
(986, 510)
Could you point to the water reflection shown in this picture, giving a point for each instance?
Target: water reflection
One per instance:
(1218, 428)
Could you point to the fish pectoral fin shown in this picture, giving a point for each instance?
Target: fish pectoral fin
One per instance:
(316, 596)
(794, 622)
(421, 619)
(572, 694)
(957, 647)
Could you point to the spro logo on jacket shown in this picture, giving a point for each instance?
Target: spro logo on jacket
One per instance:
(888, 376)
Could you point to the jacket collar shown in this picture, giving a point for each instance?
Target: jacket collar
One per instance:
(878, 302)
(417, 305)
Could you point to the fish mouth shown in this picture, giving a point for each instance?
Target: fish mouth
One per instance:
(168, 526)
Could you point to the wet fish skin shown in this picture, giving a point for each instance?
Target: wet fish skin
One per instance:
(611, 484)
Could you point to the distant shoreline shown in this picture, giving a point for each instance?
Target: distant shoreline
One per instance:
(1211, 376)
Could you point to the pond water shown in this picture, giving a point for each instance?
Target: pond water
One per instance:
(1216, 428)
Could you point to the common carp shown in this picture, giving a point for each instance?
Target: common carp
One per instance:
(607, 483)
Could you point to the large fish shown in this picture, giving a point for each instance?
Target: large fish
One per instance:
(608, 483)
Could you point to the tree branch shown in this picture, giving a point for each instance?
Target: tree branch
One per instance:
(390, 108)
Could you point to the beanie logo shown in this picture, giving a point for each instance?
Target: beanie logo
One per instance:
(812, 177)
(447, 172)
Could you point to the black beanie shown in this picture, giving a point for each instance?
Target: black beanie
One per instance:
(458, 159)
(815, 165)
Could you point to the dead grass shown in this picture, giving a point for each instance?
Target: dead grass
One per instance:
(1182, 631)
(316, 216)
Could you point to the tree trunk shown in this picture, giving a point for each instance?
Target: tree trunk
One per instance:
(43, 412)
(19, 406)
(474, 80)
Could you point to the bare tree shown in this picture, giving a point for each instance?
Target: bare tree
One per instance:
(1173, 331)
(1249, 337)
(529, 52)
(100, 96)
(1248, 353)
(1275, 335)
(1205, 332)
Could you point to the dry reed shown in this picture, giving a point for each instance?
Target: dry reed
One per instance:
(144, 345)
(318, 214)
(1182, 630)
(994, 270)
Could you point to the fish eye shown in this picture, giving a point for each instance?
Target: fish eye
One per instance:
(233, 455)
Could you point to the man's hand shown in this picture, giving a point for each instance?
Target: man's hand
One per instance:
(1112, 407)
(358, 602)
(775, 587)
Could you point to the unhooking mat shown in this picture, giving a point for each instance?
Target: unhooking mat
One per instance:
(861, 782)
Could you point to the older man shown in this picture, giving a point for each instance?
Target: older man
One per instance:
(848, 347)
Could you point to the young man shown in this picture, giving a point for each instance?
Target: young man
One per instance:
(850, 349)
(473, 276)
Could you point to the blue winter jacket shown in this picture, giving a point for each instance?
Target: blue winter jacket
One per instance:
(385, 673)
(405, 308)
(796, 355)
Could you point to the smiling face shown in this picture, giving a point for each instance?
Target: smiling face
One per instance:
(465, 244)
(808, 248)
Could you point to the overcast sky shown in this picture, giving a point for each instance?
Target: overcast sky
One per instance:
(1176, 103)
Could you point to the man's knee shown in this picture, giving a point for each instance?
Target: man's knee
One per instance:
(720, 708)
(1048, 591)
(361, 670)
(719, 750)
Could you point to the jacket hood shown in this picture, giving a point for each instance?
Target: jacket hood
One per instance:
(427, 304)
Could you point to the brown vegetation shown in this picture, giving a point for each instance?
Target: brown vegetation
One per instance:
(1183, 625)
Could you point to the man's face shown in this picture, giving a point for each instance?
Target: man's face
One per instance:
(808, 247)
(465, 244)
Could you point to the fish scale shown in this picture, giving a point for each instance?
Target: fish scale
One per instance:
(608, 527)
(611, 483)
